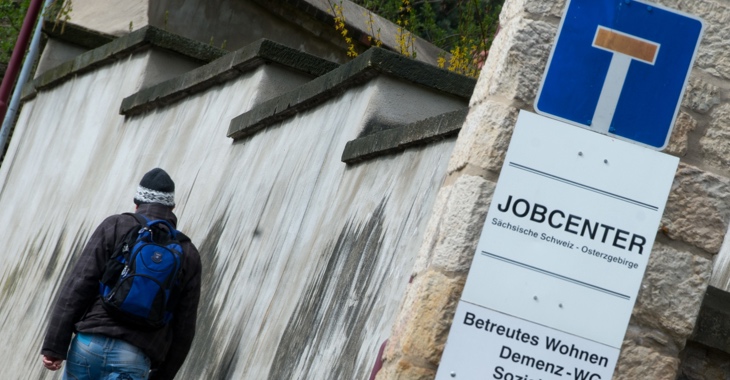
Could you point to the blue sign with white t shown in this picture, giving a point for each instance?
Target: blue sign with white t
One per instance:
(619, 67)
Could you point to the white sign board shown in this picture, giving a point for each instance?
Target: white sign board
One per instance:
(568, 234)
(492, 345)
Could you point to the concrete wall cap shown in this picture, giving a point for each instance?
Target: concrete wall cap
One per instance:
(224, 69)
(373, 62)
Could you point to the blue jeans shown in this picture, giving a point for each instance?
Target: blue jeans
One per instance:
(97, 357)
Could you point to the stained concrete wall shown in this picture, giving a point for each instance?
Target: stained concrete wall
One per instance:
(692, 229)
(305, 257)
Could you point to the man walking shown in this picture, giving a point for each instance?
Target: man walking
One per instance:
(105, 346)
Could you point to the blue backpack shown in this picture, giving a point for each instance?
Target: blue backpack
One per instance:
(140, 283)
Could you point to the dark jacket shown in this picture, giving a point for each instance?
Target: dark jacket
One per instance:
(78, 306)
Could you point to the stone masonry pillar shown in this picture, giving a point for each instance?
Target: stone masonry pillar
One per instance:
(692, 230)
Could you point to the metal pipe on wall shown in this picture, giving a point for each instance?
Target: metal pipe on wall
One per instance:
(17, 57)
(24, 74)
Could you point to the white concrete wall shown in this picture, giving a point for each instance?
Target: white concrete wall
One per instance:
(108, 16)
(305, 258)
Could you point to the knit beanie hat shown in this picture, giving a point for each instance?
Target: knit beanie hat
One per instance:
(156, 187)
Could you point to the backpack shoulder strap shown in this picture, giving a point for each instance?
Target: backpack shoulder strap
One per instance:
(130, 236)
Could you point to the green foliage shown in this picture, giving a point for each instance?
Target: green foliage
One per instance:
(464, 28)
(12, 14)
(11, 20)
(337, 10)
(59, 11)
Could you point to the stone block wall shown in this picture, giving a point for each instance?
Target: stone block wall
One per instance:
(690, 236)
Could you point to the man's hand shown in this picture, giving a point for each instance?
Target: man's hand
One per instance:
(54, 364)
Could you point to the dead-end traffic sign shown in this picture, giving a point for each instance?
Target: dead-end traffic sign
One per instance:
(619, 67)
